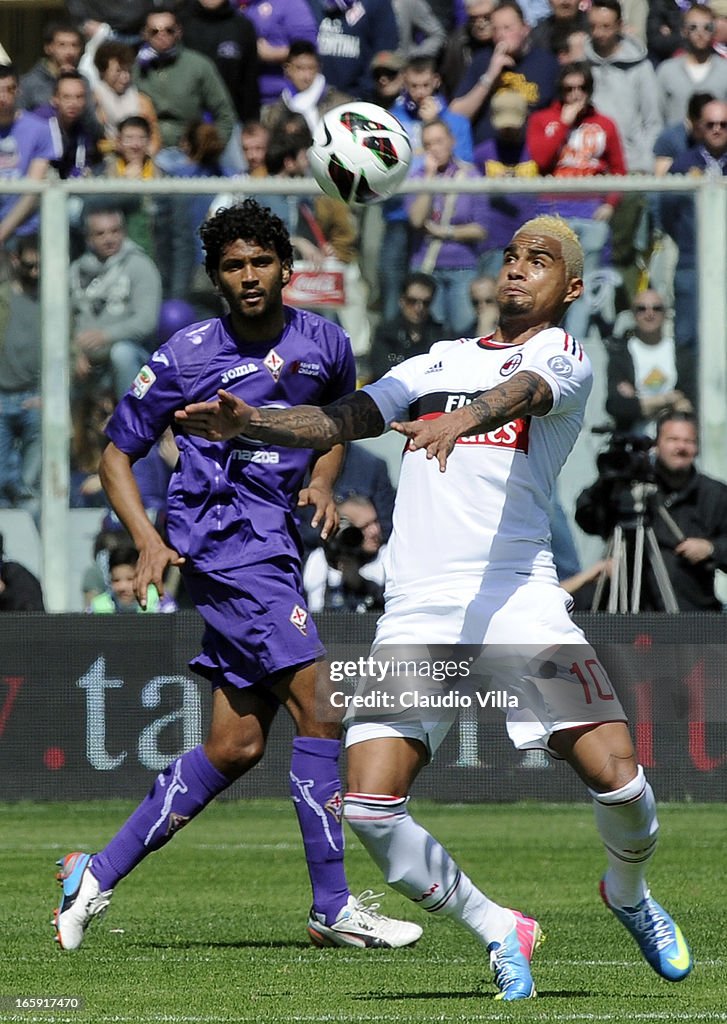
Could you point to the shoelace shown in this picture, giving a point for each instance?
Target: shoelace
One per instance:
(656, 927)
(362, 899)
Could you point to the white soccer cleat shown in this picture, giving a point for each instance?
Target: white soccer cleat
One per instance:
(82, 900)
(360, 925)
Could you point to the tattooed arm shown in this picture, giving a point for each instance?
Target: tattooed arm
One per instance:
(524, 394)
(303, 426)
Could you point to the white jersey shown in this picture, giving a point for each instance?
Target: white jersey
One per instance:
(489, 512)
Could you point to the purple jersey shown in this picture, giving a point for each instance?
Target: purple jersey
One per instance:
(28, 138)
(232, 503)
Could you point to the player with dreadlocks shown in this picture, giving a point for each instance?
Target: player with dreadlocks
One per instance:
(231, 530)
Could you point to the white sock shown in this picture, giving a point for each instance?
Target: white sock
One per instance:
(419, 867)
(627, 823)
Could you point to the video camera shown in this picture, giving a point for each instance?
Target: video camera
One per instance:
(627, 459)
(346, 543)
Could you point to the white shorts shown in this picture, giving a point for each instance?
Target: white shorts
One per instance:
(528, 650)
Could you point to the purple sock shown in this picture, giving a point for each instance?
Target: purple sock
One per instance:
(316, 791)
(179, 793)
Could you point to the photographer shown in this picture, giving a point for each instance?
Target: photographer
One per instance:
(346, 574)
(688, 511)
(20, 590)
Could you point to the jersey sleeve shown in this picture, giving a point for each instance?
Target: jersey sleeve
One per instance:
(561, 361)
(397, 389)
(148, 407)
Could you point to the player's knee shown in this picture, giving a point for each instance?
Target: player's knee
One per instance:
(235, 756)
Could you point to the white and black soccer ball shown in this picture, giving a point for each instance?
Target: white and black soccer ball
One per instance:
(360, 153)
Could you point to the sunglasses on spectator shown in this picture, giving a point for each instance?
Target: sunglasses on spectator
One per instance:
(385, 73)
(30, 264)
(167, 30)
(643, 308)
(695, 26)
(479, 17)
(711, 125)
(414, 300)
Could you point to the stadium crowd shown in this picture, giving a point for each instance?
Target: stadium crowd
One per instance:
(235, 89)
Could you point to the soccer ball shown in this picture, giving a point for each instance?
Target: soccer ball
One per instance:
(360, 153)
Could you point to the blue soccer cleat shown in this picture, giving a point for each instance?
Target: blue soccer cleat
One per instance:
(660, 940)
(82, 900)
(510, 959)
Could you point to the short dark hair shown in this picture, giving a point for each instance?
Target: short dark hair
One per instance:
(283, 147)
(124, 554)
(610, 5)
(301, 47)
(163, 9)
(113, 50)
(134, 121)
(250, 222)
(69, 76)
(697, 102)
(577, 67)
(54, 28)
(421, 63)
(511, 5)
(27, 243)
(8, 71)
(419, 277)
(671, 415)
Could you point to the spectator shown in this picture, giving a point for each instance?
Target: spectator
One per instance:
(79, 156)
(421, 33)
(306, 91)
(278, 23)
(483, 296)
(514, 64)
(132, 161)
(708, 158)
(350, 32)
(20, 590)
(676, 139)
(387, 72)
(505, 155)
(573, 139)
(117, 97)
(625, 90)
(90, 413)
(183, 85)
(229, 39)
(413, 331)
(448, 228)
(119, 596)
(694, 545)
(642, 370)
(62, 49)
(566, 17)
(346, 573)
(719, 10)
(422, 102)
(254, 138)
(27, 148)
(20, 355)
(663, 28)
(465, 42)
(366, 474)
(695, 66)
(625, 87)
(115, 300)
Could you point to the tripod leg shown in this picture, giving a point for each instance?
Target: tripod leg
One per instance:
(603, 576)
(666, 591)
(638, 565)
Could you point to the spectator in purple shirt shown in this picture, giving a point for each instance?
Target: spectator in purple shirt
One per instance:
(277, 23)
(231, 530)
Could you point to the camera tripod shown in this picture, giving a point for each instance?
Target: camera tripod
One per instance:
(635, 526)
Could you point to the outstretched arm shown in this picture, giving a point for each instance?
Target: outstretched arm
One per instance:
(303, 426)
(525, 394)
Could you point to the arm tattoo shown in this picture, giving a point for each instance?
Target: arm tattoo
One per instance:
(525, 394)
(307, 426)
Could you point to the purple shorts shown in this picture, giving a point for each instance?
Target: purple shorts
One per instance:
(257, 623)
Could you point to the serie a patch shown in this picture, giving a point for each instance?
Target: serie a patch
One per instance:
(143, 381)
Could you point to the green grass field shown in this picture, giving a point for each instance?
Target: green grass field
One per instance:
(212, 928)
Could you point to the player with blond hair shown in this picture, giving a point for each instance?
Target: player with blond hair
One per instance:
(500, 414)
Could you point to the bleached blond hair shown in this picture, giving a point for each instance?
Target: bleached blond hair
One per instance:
(556, 227)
